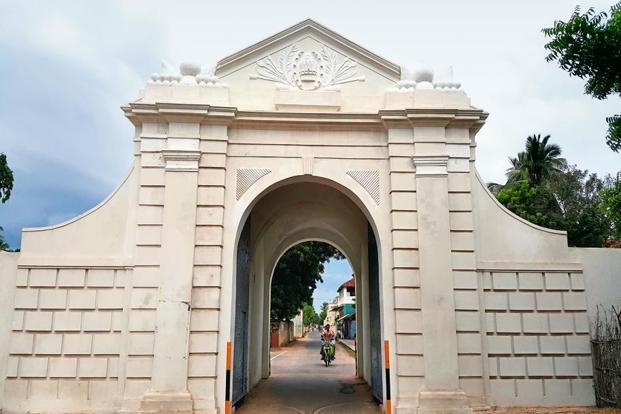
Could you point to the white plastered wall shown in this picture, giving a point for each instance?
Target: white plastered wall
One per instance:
(8, 274)
(535, 309)
(69, 318)
(602, 278)
(97, 236)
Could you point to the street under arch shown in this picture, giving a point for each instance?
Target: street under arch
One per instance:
(283, 217)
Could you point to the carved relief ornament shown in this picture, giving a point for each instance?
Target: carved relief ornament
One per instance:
(307, 70)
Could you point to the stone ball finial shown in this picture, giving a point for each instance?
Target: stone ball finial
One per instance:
(189, 69)
(423, 75)
(406, 74)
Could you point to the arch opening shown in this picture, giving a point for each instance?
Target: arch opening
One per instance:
(300, 281)
(285, 216)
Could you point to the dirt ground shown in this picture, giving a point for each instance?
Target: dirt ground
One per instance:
(555, 410)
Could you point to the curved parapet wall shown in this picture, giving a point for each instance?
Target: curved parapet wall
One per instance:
(534, 299)
(503, 237)
(99, 236)
(68, 300)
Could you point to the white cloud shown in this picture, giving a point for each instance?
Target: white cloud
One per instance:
(57, 33)
(68, 66)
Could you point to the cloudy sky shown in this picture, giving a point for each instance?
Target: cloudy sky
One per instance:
(66, 67)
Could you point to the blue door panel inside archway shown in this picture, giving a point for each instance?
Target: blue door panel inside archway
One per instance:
(242, 281)
(375, 319)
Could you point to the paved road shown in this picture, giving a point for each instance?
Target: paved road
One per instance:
(300, 383)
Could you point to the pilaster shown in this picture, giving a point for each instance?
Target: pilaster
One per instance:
(441, 393)
(173, 310)
(169, 388)
(438, 309)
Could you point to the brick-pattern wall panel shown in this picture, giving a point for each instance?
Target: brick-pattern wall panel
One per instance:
(66, 336)
(408, 317)
(143, 300)
(538, 338)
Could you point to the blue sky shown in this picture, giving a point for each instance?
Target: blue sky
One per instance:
(336, 272)
(66, 67)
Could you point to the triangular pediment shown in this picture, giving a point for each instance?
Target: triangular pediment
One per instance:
(316, 46)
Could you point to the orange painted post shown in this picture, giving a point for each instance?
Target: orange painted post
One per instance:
(227, 398)
(387, 363)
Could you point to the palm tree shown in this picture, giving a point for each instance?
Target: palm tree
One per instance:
(3, 244)
(540, 162)
(518, 170)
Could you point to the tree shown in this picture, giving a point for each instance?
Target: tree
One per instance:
(588, 46)
(570, 202)
(6, 185)
(323, 313)
(3, 244)
(6, 179)
(296, 276)
(535, 204)
(577, 194)
(310, 317)
(544, 190)
(540, 161)
(611, 202)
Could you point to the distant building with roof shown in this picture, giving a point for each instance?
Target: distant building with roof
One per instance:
(342, 311)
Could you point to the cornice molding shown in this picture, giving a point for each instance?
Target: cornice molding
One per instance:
(179, 112)
(138, 112)
(434, 117)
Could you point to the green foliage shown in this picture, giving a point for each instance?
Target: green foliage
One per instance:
(544, 190)
(6, 185)
(588, 46)
(323, 313)
(535, 204)
(570, 202)
(578, 196)
(3, 244)
(611, 202)
(540, 161)
(6, 179)
(310, 317)
(613, 138)
(296, 276)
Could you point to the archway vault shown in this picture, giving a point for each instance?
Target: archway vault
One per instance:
(298, 211)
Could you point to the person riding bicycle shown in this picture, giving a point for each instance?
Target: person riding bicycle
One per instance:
(328, 336)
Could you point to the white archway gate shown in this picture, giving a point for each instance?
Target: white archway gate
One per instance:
(293, 213)
(130, 307)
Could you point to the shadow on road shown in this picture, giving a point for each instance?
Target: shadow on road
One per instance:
(301, 383)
